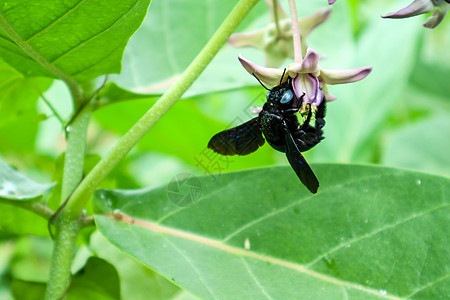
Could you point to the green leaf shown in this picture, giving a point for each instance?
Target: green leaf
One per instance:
(421, 146)
(68, 39)
(369, 233)
(98, 280)
(112, 93)
(137, 282)
(150, 67)
(15, 186)
(28, 290)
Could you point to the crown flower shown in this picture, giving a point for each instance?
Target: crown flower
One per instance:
(276, 38)
(307, 76)
(417, 7)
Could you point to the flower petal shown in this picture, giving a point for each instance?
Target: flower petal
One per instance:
(331, 1)
(307, 24)
(437, 16)
(310, 64)
(309, 85)
(252, 39)
(328, 97)
(269, 76)
(344, 76)
(416, 8)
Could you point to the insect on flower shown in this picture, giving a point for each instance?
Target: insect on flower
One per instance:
(279, 124)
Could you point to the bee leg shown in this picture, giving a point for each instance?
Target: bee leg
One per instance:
(305, 124)
(320, 115)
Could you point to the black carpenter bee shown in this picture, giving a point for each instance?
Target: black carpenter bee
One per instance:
(282, 130)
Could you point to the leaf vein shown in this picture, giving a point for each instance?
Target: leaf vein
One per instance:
(191, 264)
(164, 230)
(56, 21)
(428, 285)
(274, 213)
(36, 56)
(213, 192)
(255, 279)
(76, 47)
(95, 63)
(372, 233)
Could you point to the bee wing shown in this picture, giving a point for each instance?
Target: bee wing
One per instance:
(241, 140)
(299, 164)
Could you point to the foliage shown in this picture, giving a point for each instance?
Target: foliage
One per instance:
(238, 227)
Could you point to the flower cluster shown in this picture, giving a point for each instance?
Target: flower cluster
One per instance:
(417, 7)
(307, 76)
(276, 38)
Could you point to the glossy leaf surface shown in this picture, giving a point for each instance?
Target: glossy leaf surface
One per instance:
(16, 186)
(68, 39)
(369, 233)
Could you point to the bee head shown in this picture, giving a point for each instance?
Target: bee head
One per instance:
(282, 95)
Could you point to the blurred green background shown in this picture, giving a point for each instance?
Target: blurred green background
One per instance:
(398, 116)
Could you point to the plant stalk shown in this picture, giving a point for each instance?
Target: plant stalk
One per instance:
(63, 252)
(67, 227)
(68, 222)
(295, 33)
(76, 134)
(87, 187)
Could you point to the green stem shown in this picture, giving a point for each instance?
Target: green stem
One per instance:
(76, 133)
(87, 187)
(67, 227)
(63, 252)
(68, 222)
(38, 208)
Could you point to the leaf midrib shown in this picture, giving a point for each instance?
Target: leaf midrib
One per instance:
(36, 56)
(154, 227)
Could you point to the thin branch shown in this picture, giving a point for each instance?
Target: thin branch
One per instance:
(33, 206)
(49, 104)
(87, 187)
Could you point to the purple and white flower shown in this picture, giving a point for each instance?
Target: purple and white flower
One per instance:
(307, 76)
(417, 7)
(276, 41)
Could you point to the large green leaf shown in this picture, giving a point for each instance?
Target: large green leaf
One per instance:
(171, 36)
(137, 282)
(369, 233)
(68, 39)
